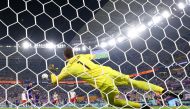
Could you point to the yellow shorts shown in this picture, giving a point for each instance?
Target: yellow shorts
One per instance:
(110, 79)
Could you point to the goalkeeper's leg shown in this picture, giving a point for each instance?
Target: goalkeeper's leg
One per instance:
(146, 86)
(111, 99)
(126, 80)
(122, 79)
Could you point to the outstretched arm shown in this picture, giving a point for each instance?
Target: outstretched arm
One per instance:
(61, 76)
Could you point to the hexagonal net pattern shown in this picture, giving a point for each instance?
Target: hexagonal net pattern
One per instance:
(142, 42)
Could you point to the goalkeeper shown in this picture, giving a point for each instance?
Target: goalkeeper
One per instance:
(101, 77)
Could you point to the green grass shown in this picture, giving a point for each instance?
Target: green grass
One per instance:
(155, 107)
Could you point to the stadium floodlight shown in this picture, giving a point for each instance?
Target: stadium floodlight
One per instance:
(165, 14)
(141, 28)
(50, 45)
(8, 46)
(150, 23)
(156, 19)
(111, 42)
(120, 39)
(103, 45)
(181, 5)
(83, 48)
(26, 44)
(132, 33)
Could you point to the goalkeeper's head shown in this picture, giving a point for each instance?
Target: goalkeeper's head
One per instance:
(68, 53)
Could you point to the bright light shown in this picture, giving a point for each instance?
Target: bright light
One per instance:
(141, 28)
(166, 14)
(135, 31)
(111, 42)
(77, 49)
(83, 48)
(8, 46)
(103, 44)
(150, 23)
(156, 19)
(50, 45)
(120, 39)
(181, 5)
(26, 45)
(132, 33)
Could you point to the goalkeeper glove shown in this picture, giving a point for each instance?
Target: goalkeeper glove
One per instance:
(53, 79)
(52, 68)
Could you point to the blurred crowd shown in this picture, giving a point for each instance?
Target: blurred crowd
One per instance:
(44, 93)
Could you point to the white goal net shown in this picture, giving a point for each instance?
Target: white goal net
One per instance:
(145, 39)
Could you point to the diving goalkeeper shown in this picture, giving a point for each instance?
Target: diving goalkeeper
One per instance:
(101, 77)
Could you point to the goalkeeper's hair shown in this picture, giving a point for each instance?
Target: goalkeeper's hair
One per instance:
(68, 52)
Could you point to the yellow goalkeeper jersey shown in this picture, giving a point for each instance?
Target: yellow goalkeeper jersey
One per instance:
(83, 67)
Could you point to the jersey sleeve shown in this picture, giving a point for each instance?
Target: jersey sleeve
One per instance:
(64, 73)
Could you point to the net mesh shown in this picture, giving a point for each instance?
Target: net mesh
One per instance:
(146, 39)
